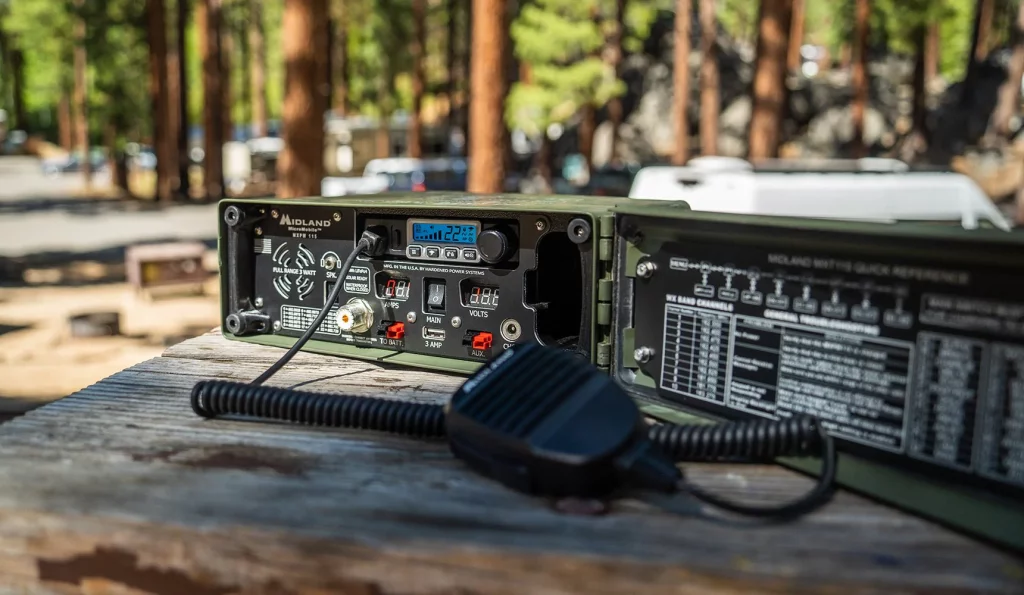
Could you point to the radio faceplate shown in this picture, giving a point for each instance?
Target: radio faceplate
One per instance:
(910, 350)
(452, 289)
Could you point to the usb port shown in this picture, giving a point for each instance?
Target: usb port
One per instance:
(433, 334)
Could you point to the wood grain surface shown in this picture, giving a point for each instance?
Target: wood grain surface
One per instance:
(120, 488)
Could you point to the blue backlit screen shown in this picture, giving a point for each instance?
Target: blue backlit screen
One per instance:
(448, 233)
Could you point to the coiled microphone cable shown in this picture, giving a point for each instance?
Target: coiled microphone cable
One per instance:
(476, 431)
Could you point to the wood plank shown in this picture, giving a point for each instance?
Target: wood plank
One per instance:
(123, 481)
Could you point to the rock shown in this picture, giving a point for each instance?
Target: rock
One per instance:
(735, 119)
(831, 131)
(999, 173)
(732, 146)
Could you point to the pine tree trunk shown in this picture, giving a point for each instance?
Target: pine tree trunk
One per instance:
(65, 130)
(919, 116)
(710, 102)
(245, 72)
(451, 66)
(159, 97)
(227, 50)
(18, 83)
(384, 136)
(681, 82)
(845, 56)
(304, 34)
(467, 75)
(796, 35)
(173, 112)
(585, 133)
(487, 97)
(208, 18)
(980, 44)
(932, 53)
(81, 94)
(419, 25)
(983, 12)
(615, 54)
(542, 163)
(339, 49)
(184, 159)
(862, 14)
(931, 57)
(258, 68)
(770, 79)
(385, 99)
(1008, 100)
(116, 158)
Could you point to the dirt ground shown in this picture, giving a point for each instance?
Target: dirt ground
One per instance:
(39, 359)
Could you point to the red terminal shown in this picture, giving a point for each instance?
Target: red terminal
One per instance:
(396, 331)
(483, 341)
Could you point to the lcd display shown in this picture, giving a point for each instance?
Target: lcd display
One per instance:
(447, 233)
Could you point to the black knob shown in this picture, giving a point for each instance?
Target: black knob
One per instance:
(493, 246)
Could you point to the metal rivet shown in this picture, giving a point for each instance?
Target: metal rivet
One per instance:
(274, 213)
(337, 216)
(646, 269)
(643, 354)
(277, 325)
(541, 225)
(259, 302)
(258, 231)
(410, 317)
(456, 322)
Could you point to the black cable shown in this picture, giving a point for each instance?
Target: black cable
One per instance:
(748, 441)
(216, 398)
(363, 244)
(753, 441)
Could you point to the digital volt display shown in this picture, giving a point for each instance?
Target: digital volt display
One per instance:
(448, 233)
(484, 297)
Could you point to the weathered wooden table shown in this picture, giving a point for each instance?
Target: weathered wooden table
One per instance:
(120, 488)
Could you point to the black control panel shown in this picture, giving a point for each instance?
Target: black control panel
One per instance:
(461, 285)
(909, 351)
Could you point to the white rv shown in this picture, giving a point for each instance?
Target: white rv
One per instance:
(884, 190)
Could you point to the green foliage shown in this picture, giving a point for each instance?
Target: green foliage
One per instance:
(117, 49)
(892, 25)
(43, 30)
(378, 35)
(273, 14)
(561, 41)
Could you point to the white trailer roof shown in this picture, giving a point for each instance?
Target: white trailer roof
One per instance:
(881, 190)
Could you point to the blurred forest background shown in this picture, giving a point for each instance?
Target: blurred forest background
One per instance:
(518, 85)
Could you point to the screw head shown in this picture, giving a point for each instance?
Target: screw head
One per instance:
(258, 231)
(643, 354)
(456, 322)
(541, 225)
(277, 325)
(410, 317)
(259, 302)
(645, 269)
(337, 216)
(274, 213)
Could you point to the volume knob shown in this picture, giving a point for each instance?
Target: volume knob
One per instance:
(493, 246)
